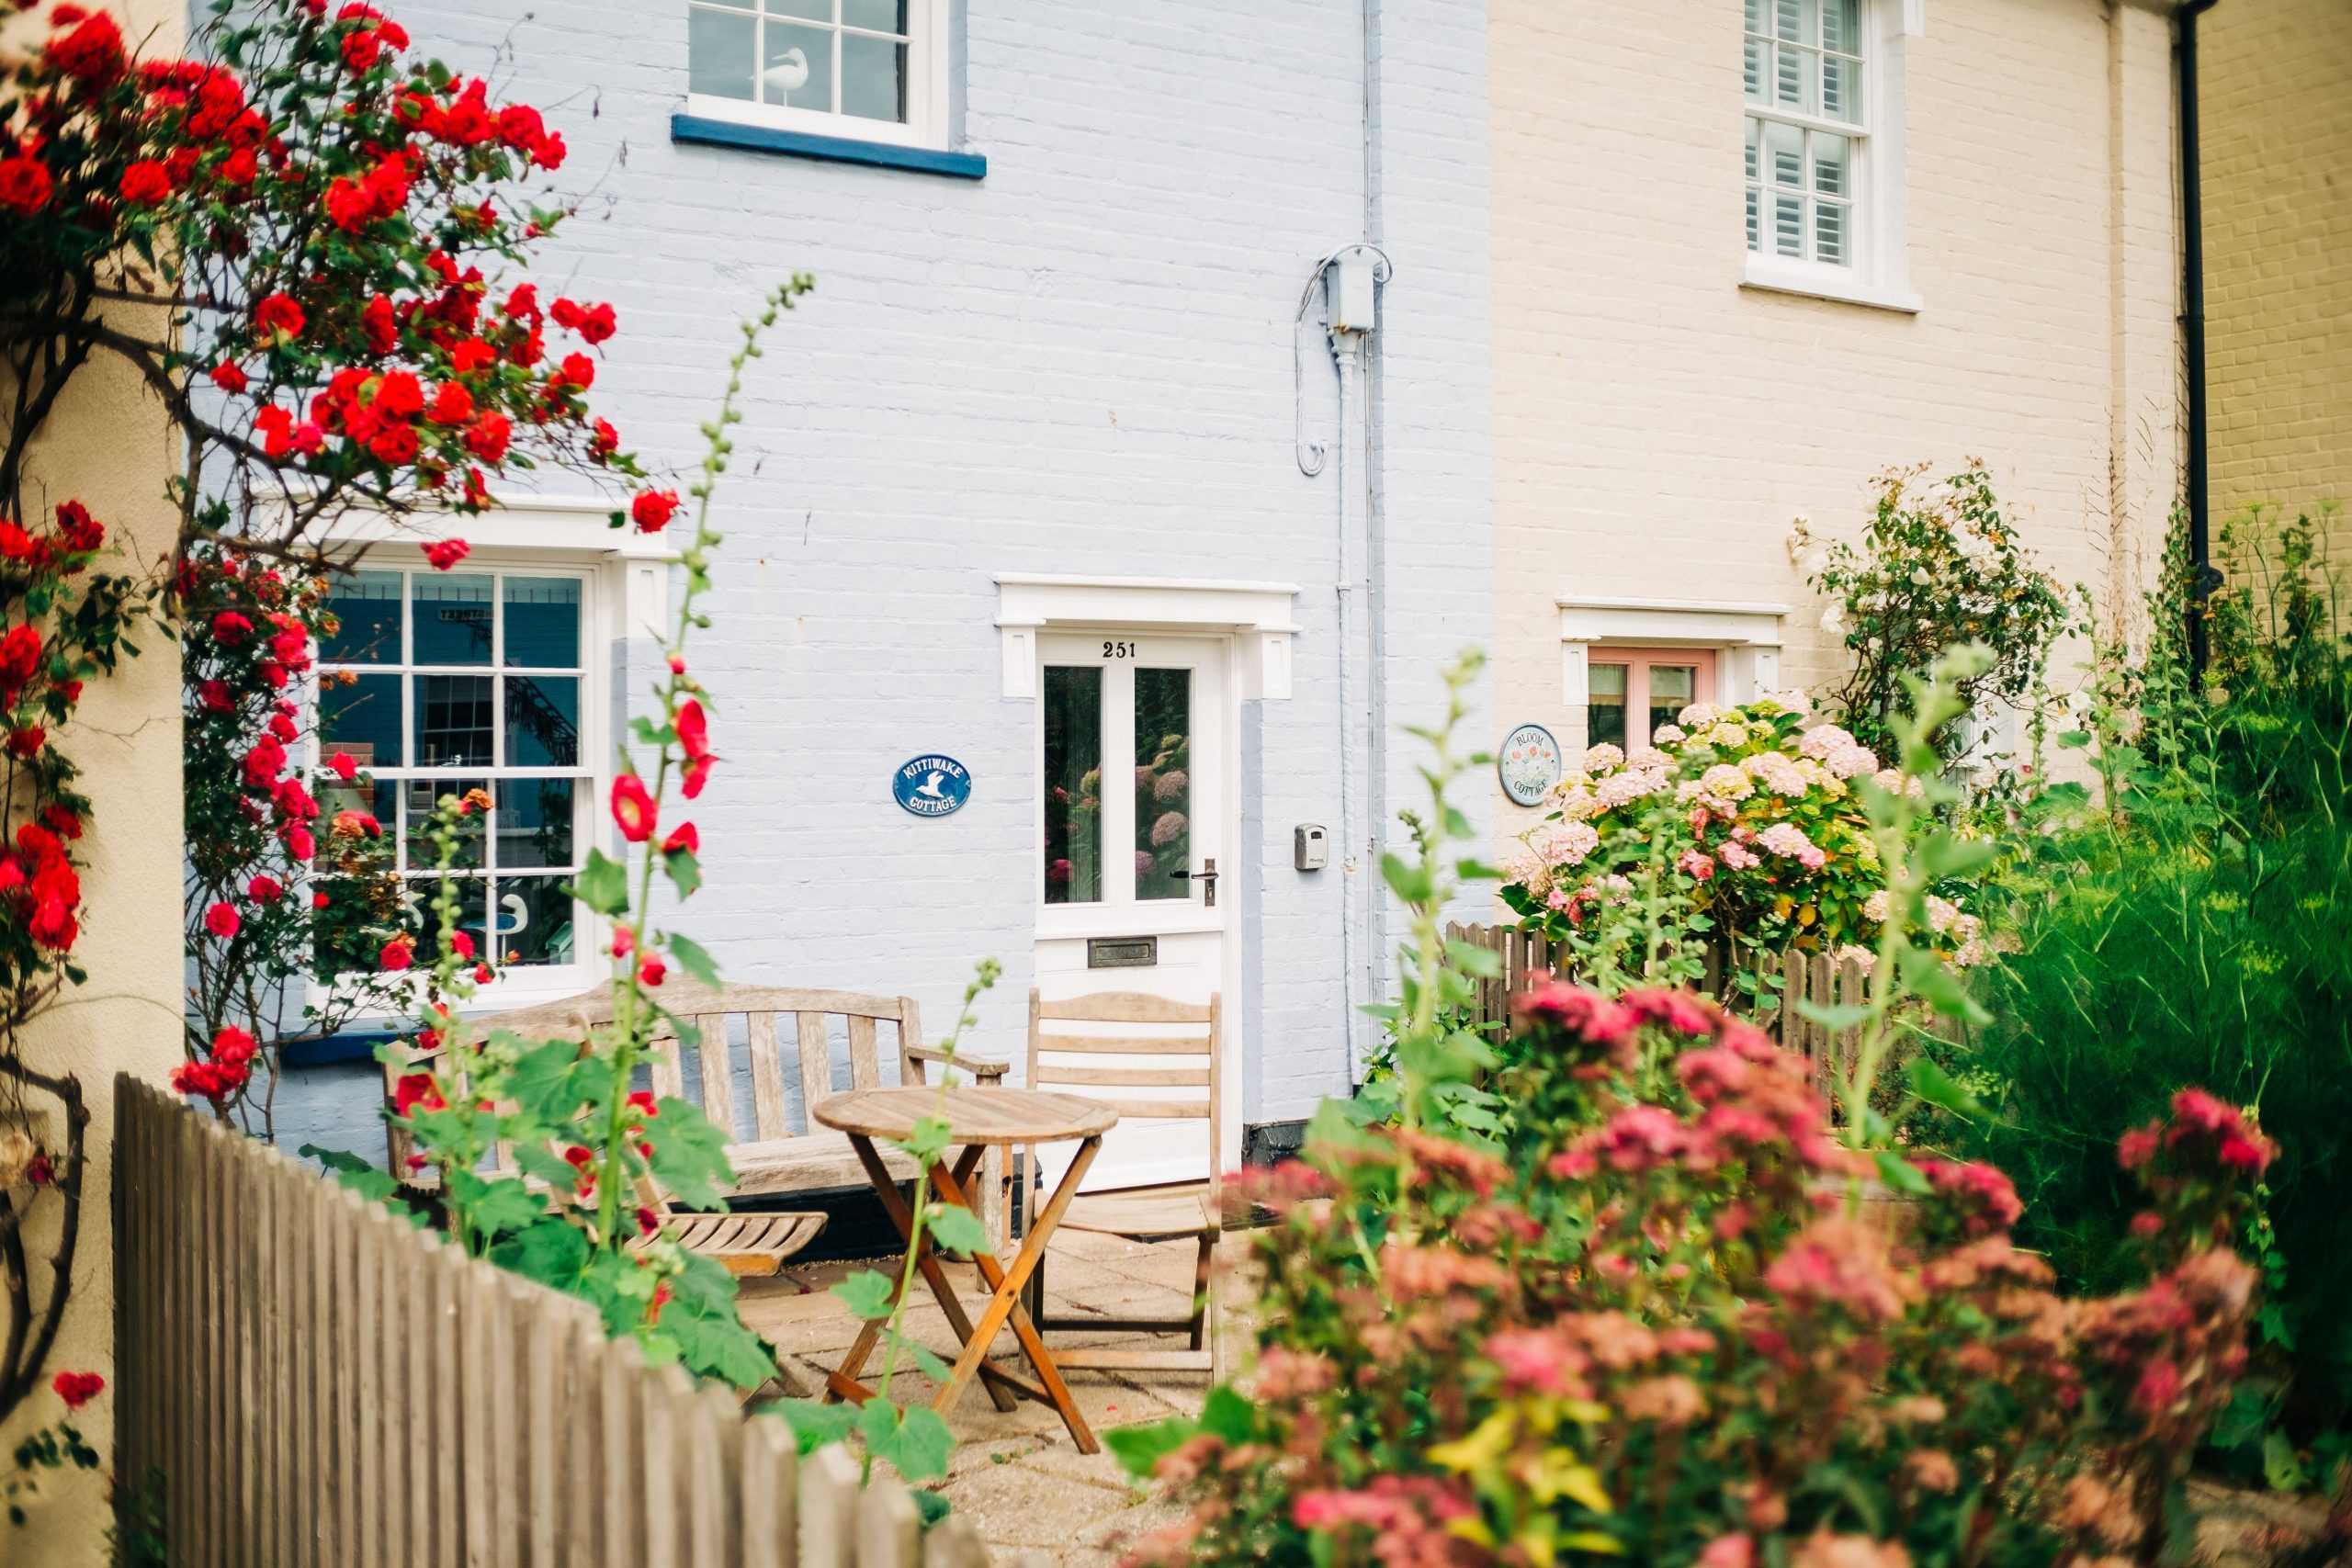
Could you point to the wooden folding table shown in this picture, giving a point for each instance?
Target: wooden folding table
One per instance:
(978, 1120)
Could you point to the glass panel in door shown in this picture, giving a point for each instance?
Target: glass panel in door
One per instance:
(1673, 687)
(1163, 751)
(1073, 846)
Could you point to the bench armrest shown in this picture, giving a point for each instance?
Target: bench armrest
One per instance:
(986, 1071)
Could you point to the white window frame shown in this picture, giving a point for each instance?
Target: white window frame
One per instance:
(1744, 639)
(624, 594)
(926, 124)
(1880, 274)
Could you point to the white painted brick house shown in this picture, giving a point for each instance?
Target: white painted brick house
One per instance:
(1032, 454)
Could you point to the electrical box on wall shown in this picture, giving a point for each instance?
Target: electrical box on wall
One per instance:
(1308, 847)
(1349, 294)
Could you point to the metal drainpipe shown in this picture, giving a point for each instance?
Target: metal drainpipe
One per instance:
(2203, 579)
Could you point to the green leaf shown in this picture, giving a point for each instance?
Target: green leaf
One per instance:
(494, 1206)
(921, 1445)
(350, 1170)
(1900, 1173)
(603, 884)
(1472, 959)
(540, 1081)
(693, 959)
(552, 1252)
(1139, 1450)
(1834, 1017)
(538, 1160)
(1947, 855)
(866, 1293)
(689, 1154)
(930, 1507)
(814, 1424)
(684, 870)
(957, 1230)
(1410, 883)
(1226, 1414)
(1937, 1087)
(927, 1140)
(1927, 978)
(2281, 1466)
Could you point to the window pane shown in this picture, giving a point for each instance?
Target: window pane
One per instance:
(1073, 845)
(453, 725)
(721, 47)
(1788, 225)
(1756, 22)
(1673, 687)
(798, 69)
(535, 920)
(542, 721)
(378, 798)
(1841, 25)
(362, 718)
(1792, 78)
(1752, 67)
(874, 74)
(1830, 232)
(1794, 20)
(1831, 157)
(1785, 151)
(543, 621)
(533, 822)
(1163, 784)
(808, 10)
(368, 604)
(1604, 723)
(451, 620)
(1755, 223)
(419, 796)
(876, 16)
(421, 894)
(1841, 89)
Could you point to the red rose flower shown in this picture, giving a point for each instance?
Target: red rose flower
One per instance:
(146, 182)
(471, 354)
(652, 510)
(279, 314)
(452, 404)
(222, 920)
(342, 765)
(24, 184)
(229, 376)
(487, 437)
(376, 320)
(81, 531)
(265, 889)
(25, 742)
(605, 442)
(77, 1389)
(398, 955)
(461, 944)
(633, 808)
(447, 553)
(91, 53)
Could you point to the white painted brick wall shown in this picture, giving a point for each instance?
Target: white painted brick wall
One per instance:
(1080, 365)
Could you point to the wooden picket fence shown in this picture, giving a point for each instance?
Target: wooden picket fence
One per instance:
(317, 1383)
(1805, 976)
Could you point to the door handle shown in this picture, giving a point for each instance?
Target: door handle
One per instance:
(1206, 877)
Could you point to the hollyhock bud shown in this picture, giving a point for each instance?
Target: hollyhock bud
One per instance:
(633, 808)
(683, 836)
(652, 510)
(652, 970)
(77, 1389)
(222, 920)
(447, 553)
(623, 940)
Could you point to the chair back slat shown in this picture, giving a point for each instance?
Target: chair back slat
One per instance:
(716, 1057)
(816, 1060)
(1176, 1048)
(864, 1064)
(769, 1117)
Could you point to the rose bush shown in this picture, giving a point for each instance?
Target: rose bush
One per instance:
(1662, 1327)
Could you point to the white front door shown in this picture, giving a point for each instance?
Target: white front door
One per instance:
(1135, 827)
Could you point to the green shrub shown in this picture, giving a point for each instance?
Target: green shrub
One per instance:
(2185, 921)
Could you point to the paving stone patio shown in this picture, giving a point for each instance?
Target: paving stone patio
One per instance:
(1017, 1475)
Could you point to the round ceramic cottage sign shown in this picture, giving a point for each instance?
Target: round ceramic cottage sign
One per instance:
(935, 785)
(1529, 763)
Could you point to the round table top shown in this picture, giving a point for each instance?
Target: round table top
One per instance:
(973, 1115)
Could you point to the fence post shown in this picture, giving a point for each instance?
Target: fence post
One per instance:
(829, 1508)
(890, 1531)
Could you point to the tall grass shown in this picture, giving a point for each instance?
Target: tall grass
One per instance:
(2188, 921)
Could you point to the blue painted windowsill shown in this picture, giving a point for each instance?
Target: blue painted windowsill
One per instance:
(837, 149)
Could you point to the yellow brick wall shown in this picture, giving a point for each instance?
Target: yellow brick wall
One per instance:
(2277, 123)
(1657, 426)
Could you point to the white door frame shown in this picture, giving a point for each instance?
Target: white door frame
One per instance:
(1253, 622)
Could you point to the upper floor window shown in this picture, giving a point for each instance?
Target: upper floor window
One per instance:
(868, 69)
(1805, 129)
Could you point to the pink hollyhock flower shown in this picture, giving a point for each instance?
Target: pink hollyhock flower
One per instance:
(633, 808)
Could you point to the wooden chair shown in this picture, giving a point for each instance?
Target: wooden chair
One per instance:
(1185, 1040)
(779, 1157)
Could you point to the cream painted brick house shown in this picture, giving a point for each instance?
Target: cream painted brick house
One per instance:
(1976, 256)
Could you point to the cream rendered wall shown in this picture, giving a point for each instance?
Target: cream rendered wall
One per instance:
(1657, 426)
(107, 443)
(2277, 127)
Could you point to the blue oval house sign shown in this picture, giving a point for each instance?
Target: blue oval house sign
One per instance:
(933, 786)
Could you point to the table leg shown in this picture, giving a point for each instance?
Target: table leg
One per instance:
(843, 1383)
(1006, 1302)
